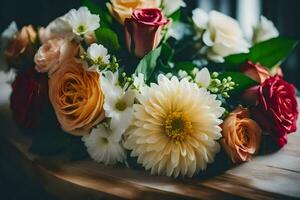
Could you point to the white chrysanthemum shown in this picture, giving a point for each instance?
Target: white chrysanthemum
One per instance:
(98, 54)
(175, 128)
(203, 78)
(103, 145)
(118, 104)
(82, 21)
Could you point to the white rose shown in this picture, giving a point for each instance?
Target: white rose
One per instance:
(170, 6)
(223, 37)
(264, 30)
(200, 18)
(57, 28)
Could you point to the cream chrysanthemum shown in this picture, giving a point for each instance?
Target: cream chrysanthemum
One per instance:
(175, 128)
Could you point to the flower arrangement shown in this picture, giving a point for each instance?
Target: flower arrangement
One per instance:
(146, 80)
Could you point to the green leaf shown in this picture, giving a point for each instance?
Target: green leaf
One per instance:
(148, 63)
(268, 53)
(94, 8)
(186, 66)
(166, 53)
(108, 38)
(242, 81)
(176, 15)
(49, 142)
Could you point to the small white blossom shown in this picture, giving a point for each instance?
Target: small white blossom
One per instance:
(203, 78)
(195, 71)
(182, 74)
(82, 21)
(171, 6)
(98, 54)
(138, 81)
(103, 145)
(264, 30)
(118, 104)
(169, 75)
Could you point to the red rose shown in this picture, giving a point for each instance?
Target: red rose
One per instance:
(29, 97)
(143, 30)
(276, 108)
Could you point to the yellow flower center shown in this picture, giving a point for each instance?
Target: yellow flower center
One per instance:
(121, 105)
(81, 29)
(177, 126)
(103, 141)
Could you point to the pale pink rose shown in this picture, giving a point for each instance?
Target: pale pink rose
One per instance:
(54, 52)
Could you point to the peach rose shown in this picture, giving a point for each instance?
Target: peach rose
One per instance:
(255, 71)
(122, 9)
(241, 135)
(76, 96)
(54, 52)
(21, 48)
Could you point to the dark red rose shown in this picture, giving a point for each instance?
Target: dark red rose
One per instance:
(29, 98)
(143, 30)
(276, 108)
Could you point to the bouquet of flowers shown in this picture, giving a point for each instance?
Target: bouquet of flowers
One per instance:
(148, 80)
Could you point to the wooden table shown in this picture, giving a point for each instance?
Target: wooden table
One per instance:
(275, 176)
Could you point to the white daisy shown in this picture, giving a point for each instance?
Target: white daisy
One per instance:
(175, 127)
(103, 146)
(98, 54)
(203, 78)
(118, 104)
(82, 21)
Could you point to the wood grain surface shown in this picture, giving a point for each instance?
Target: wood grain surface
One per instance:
(272, 176)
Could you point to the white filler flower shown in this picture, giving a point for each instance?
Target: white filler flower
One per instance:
(175, 127)
(203, 78)
(171, 6)
(82, 21)
(103, 146)
(264, 30)
(98, 54)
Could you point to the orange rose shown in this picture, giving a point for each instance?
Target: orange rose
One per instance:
(21, 49)
(54, 52)
(241, 135)
(76, 96)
